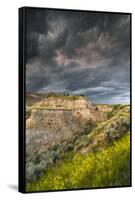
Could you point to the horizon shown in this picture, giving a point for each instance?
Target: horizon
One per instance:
(79, 95)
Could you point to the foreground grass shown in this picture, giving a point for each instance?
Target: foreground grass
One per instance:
(109, 167)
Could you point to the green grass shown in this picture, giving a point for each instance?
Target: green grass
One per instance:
(109, 167)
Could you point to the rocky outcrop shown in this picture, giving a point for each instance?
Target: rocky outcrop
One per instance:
(80, 108)
(104, 108)
(50, 127)
(54, 120)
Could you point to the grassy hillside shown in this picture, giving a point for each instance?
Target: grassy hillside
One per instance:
(110, 167)
(104, 133)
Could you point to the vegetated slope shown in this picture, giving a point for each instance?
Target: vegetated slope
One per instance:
(110, 167)
(115, 127)
(100, 158)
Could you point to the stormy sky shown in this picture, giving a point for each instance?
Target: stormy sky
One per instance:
(78, 53)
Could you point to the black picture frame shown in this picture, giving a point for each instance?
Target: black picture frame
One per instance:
(22, 97)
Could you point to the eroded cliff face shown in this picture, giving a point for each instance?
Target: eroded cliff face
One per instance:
(80, 108)
(54, 120)
(46, 128)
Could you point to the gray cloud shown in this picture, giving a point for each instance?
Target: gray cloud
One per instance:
(79, 53)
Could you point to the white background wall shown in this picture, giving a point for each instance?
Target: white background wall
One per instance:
(9, 98)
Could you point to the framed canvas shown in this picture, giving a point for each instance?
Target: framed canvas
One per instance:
(74, 99)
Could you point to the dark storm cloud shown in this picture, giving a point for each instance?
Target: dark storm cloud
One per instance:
(78, 53)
